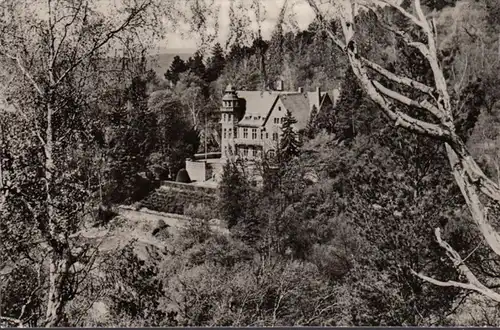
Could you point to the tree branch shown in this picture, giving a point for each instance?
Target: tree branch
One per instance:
(110, 35)
(425, 105)
(473, 283)
(12, 320)
(65, 33)
(28, 75)
(330, 33)
(398, 79)
(405, 13)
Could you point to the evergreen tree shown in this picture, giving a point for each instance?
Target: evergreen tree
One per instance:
(234, 190)
(275, 55)
(132, 138)
(289, 144)
(195, 65)
(177, 67)
(325, 120)
(312, 126)
(216, 63)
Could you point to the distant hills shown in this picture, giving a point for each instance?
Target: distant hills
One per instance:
(161, 62)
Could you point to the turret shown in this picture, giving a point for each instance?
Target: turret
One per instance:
(229, 119)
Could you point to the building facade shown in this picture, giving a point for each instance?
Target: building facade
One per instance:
(251, 120)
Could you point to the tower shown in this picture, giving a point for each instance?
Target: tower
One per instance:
(229, 118)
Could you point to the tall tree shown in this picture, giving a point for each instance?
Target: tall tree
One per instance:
(424, 108)
(275, 55)
(55, 55)
(233, 194)
(196, 65)
(289, 142)
(437, 104)
(177, 67)
(216, 63)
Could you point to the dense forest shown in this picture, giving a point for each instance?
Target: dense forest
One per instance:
(360, 221)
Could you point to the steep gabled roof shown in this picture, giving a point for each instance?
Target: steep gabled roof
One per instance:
(299, 106)
(313, 99)
(258, 104)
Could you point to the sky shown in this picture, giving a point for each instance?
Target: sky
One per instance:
(302, 12)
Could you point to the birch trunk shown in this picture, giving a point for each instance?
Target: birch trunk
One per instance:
(58, 271)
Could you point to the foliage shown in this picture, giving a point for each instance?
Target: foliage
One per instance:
(176, 68)
(177, 201)
(234, 194)
(289, 142)
(183, 176)
(215, 63)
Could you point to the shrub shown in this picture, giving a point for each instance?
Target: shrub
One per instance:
(183, 176)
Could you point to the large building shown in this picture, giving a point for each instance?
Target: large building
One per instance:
(251, 120)
(251, 125)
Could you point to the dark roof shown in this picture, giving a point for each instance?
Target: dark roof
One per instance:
(299, 107)
(259, 104)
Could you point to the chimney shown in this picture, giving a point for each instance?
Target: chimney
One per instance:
(318, 92)
(301, 89)
(279, 85)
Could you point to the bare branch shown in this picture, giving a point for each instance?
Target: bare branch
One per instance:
(109, 36)
(397, 78)
(65, 33)
(473, 283)
(12, 320)
(425, 105)
(408, 15)
(28, 75)
(330, 33)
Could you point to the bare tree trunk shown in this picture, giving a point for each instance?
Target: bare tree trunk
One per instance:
(59, 263)
(470, 193)
(59, 268)
(468, 175)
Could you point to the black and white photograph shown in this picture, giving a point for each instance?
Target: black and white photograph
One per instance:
(249, 163)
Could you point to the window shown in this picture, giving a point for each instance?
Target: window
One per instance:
(275, 136)
(245, 133)
(267, 135)
(245, 151)
(230, 117)
(229, 132)
(276, 120)
(279, 108)
(252, 152)
(235, 133)
(254, 134)
(225, 132)
(261, 135)
(282, 119)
